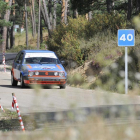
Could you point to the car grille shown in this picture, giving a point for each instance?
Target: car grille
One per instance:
(46, 73)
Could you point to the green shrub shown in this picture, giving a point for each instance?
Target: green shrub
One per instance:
(102, 22)
(77, 26)
(74, 41)
(65, 40)
(113, 76)
(76, 79)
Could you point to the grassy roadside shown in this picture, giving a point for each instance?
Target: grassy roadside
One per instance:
(8, 114)
(105, 66)
(20, 41)
(20, 38)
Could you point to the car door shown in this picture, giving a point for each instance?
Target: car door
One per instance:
(15, 65)
(19, 65)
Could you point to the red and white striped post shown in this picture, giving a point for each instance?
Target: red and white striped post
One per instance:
(4, 62)
(2, 108)
(14, 102)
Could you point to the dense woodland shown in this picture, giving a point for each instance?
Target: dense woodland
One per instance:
(59, 17)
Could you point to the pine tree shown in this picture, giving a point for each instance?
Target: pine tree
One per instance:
(129, 12)
(38, 37)
(26, 21)
(4, 34)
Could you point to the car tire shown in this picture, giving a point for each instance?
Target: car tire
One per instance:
(63, 86)
(13, 81)
(22, 84)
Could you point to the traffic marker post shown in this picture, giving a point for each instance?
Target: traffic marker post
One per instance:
(14, 103)
(2, 108)
(126, 37)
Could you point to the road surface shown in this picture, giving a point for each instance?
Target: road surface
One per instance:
(55, 99)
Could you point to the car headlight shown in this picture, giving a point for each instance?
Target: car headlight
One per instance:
(31, 73)
(36, 73)
(56, 73)
(61, 74)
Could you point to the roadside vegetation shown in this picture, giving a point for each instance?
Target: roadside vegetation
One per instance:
(82, 42)
(94, 128)
(94, 43)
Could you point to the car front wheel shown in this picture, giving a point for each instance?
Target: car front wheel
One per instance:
(22, 84)
(63, 86)
(13, 81)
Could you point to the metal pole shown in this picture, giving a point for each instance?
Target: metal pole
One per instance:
(126, 71)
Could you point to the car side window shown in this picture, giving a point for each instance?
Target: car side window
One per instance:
(17, 56)
(21, 58)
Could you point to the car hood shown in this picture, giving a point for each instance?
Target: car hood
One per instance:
(44, 67)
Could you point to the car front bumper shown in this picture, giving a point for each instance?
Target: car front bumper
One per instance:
(45, 80)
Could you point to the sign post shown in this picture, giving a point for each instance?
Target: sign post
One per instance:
(126, 37)
(126, 71)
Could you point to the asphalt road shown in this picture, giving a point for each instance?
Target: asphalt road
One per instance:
(55, 99)
(8, 56)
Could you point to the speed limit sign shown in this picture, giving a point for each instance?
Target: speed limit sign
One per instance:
(126, 37)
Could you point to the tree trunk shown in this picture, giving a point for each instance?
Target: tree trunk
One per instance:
(129, 11)
(4, 35)
(41, 33)
(23, 20)
(66, 11)
(12, 36)
(113, 4)
(75, 13)
(109, 5)
(63, 12)
(26, 19)
(8, 39)
(89, 15)
(47, 18)
(138, 6)
(34, 18)
(12, 31)
(44, 16)
(33, 28)
(50, 11)
(54, 14)
(38, 36)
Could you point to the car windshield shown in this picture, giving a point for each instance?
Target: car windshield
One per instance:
(41, 60)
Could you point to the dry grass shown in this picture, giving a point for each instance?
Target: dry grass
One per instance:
(94, 129)
(20, 38)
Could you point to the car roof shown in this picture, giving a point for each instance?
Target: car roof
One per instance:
(36, 51)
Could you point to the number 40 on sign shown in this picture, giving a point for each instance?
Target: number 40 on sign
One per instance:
(126, 37)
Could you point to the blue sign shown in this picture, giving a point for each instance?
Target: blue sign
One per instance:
(126, 37)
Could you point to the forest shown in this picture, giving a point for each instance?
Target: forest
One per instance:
(37, 15)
